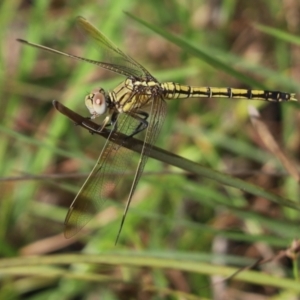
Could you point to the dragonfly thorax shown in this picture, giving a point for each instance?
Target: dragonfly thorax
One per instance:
(96, 103)
(132, 94)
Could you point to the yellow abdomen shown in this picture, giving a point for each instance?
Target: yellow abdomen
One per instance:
(174, 91)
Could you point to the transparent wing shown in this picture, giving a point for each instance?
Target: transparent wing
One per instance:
(104, 178)
(115, 59)
(110, 168)
(155, 121)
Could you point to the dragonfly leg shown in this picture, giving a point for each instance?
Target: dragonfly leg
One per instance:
(110, 120)
(142, 117)
(76, 124)
(91, 130)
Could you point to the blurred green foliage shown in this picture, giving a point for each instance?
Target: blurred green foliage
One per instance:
(183, 228)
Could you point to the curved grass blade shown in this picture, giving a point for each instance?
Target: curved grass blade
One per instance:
(279, 34)
(175, 160)
(197, 52)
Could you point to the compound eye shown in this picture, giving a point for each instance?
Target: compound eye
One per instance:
(95, 103)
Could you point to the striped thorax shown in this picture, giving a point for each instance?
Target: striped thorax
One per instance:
(132, 94)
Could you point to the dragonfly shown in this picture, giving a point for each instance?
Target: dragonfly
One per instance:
(138, 104)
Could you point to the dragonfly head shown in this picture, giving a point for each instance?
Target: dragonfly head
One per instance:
(96, 103)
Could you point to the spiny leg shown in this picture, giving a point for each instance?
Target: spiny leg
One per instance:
(110, 120)
(142, 117)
